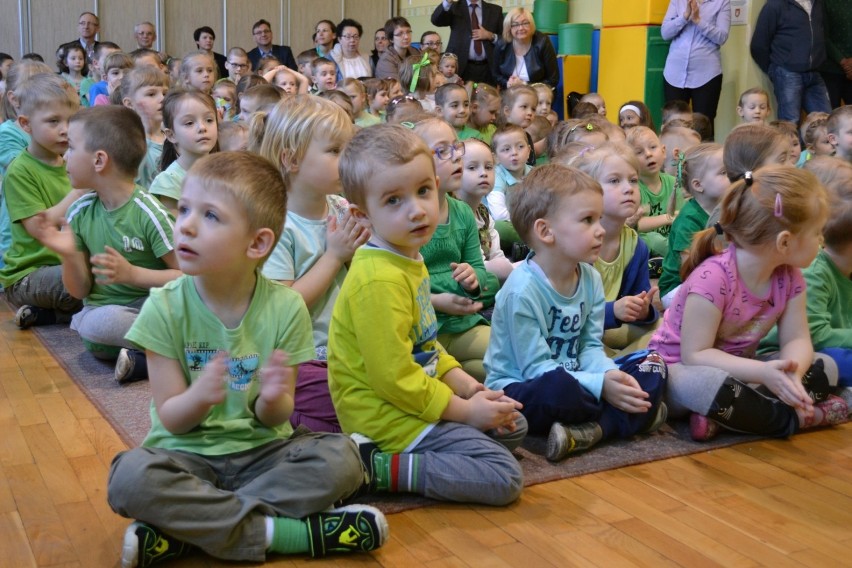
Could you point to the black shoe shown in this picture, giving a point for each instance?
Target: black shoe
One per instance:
(130, 366)
(28, 316)
(657, 420)
(367, 449)
(816, 382)
(655, 267)
(353, 528)
(145, 545)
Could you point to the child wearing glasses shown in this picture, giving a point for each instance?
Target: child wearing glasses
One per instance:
(423, 425)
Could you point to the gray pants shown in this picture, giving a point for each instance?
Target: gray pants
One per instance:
(462, 464)
(107, 325)
(219, 503)
(43, 288)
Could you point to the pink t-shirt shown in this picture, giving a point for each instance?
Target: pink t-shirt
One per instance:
(746, 318)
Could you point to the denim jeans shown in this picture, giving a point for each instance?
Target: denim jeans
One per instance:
(795, 91)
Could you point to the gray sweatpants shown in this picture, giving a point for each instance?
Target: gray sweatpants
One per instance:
(219, 503)
(107, 325)
(460, 463)
(43, 288)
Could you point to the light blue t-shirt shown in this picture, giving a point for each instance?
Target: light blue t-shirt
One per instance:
(535, 330)
(13, 141)
(302, 243)
(496, 200)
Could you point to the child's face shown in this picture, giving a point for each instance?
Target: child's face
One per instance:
(195, 129)
(48, 127)
(523, 111)
(545, 101)
(317, 174)
(598, 101)
(79, 162)
(380, 101)
(237, 65)
(478, 175)
(212, 233)
(780, 155)
(401, 205)
(485, 114)
(512, 151)
(805, 244)
(358, 98)
(148, 102)
(149, 59)
(620, 183)
(821, 146)
(713, 181)
(325, 77)
(795, 149)
(395, 90)
(248, 106)
(114, 77)
(842, 141)
(75, 60)
(438, 80)
(101, 61)
(442, 138)
(226, 94)
(628, 118)
(201, 74)
(575, 227)
(456, 109)
(287, 82)
(448, 67)
(651, 154)
(755, 108)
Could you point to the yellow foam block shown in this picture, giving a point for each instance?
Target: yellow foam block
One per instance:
(586, 12)
(622, 68)
(576, 75)
(634, 12)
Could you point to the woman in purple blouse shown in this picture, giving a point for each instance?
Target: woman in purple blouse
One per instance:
(693, 71)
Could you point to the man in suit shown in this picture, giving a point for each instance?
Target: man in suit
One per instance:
(262, 33)
(88, 25)
(473, 44)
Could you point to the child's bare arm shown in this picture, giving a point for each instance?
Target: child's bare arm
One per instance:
(110, 267)
(623, 392)
(646, 224)
(182, 406)
(463, 385)
(76, 274)
(275, 402)
(454, 304)
(485, 410)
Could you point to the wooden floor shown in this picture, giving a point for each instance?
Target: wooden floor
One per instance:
(779, 503)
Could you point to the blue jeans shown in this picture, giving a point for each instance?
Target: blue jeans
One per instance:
(795, 91)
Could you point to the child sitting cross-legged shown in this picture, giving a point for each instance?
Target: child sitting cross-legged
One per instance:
(546, 349)
(221, 469)
(437, 431)
(120, 240)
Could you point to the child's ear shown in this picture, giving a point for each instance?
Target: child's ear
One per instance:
(100, 161)
(360, 215)
(541, 230)
(739, 111)
(288, 162)
(261, 244)
(169, 134)
(782, 241)
(127, 102)
(24, 122)
(832, 139)
(506, 111)
(696, 186)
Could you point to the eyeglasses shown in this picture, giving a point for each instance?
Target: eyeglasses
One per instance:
(433, 43)
(264, 32)
(350, 37)
(402, 33)
(238, 65)
(519, 25)
(449, 151)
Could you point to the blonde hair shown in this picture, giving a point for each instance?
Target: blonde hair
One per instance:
(835, 175)
(511, 16)
(283, 135)
(43, 89)
(592, 160)
(836, 118)
(568, 131)
(694, 164)
(139, 77)
(186, 67)
(754, 91)
(19, 73)
(541, 192)
(510, 97)
(116, 60)
(373, 149)
(756, 209)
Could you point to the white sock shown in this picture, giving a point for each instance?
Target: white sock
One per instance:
(269, 529)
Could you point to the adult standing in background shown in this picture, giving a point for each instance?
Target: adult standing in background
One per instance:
(788, 44)
(380, 45)
(262, 33)
(837, 69)
(693, 71)
(204, 38)
(398, 31)
(524, 55)
(88, 25)
(346, 52)
(474, 27)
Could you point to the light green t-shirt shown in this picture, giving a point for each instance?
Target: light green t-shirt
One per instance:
(150, 165)
(365, 119)
(467, 132)
(29, 188)
(168, 182)
(175, 323)
(141, 230)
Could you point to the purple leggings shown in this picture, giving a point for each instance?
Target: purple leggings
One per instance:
(313, 406)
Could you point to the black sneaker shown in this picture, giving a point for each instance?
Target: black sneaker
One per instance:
(29, 316)
(367, 448)
(130, 366)
(145, 545)
(655, 267)
(816, 382)
(353, 528)
(564, 440)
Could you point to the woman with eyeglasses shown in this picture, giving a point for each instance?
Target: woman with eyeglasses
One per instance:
(523, 55)
(350, 61)
(398, 31)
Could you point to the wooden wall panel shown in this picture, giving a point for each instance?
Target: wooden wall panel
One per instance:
(304, 15)
(371, 14)
(182, 17)
(119, 18)
(241, 15)
(10, 33)
(51, 28)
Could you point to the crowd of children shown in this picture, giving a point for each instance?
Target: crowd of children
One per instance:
(392, 282)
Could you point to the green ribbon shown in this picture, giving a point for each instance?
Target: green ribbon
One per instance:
(417, 67)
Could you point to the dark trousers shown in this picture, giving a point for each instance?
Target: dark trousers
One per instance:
(478, 72)
(557, 396)
(704, 99)
(839, 89)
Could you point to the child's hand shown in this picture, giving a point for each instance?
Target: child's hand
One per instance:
(514, 80)
(209, 387)
(633, 220)
(464, 274)
(492, 409)
(109, 267)
(48, 233)
(634, 308)
(344, 236)
(277, 379)
(781, 379)
(462, 384)
(623, 392)
(455, 305)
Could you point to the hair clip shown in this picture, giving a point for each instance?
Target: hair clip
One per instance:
(718, 228)
(475, 86)
(408, 125)
(779, 208)
(681, 158)
(749, 178)
(588, 127)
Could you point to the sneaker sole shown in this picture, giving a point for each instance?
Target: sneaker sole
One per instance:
(558, 438)
(379, 518)
(130, 547)
(123, 367)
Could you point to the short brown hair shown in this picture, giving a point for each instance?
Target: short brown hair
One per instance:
(541, 192)
(116, 130)
(835, 174)
(835, 119)
(373, 149)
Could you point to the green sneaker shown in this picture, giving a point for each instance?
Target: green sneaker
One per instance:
(353, 528)
(564, 440)
(145, 545)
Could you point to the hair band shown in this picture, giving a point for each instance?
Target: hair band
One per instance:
(408, 125)
(424, 61)
(634, 108)
(749, 178)
(779, 208)
(718, 228)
